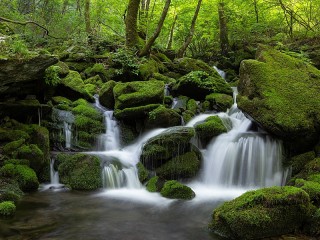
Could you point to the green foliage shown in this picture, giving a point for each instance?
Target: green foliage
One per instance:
(174, 189)
(52, 75)
(125, 61)
(7, 208)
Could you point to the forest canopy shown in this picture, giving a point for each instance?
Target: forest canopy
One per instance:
(246, 22)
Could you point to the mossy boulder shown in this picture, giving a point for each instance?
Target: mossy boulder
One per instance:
(281, 93)
(163, 78)
(10, 190)
(11, 147)
(162, 117)
(106, 96)
(312, 188)
(219, 102)
(314, 225)
(155, 184)
(173, 142)
(80, 171)
(97, 69)
(299, 161)
(211, 127)
(192, 106)
(311, 171)
(175, 190)
(262, 213)
(63, 69)
(73, 87)
(187, 65)
(182, 167)
(24, 175)
(198, 84)
(7, 209)
(8, 135)
(87, 123)
(136, 99)
(148, 68)
(35, 156)
(142, 172)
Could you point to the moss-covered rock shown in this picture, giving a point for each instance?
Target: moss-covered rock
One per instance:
(95, 80)
(35, 156)
(10, 190)
(163, 117)
(192, 106)
(175, 190)
(198, 84)
(24, 175)
(148, 68)
(282, 94)
(97, 69)
(310, 171)
(8, 135)
(184, 167)
(171, 143)
(314, 226)
(142, 172)
(73, 87)
(219, 102)
(155, 184)
(211, 127)
(187, 65)
(11, 147)
(7, 209)
(163, 78)
(63, 69)
(80, 171)
(136, 99)
(262, 213)
(312, 188)
(106, 96)
(299, 161)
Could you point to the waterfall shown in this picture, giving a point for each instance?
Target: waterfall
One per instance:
(166, 90)
(54, 175)
(241, 157)
(64, 120)
(221, 72)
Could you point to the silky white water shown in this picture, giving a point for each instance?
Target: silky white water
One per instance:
(64, 120)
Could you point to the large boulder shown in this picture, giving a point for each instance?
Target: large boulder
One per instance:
(198, 84)
(80, 171)
(163, 117)
(186, 65)
(136, 99)
(175, 190)
(262, 213)
(106, 96)
(281, 93)
(171, 143)
(23, 77)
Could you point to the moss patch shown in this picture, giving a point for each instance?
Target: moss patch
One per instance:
(175, 190)
(262, 213)
(162, 117)
(7, 209)
(219, 102)
(212, 127)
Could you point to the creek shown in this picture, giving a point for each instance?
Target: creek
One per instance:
(244, 158)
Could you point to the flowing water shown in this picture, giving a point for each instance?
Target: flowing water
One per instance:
(234, 162)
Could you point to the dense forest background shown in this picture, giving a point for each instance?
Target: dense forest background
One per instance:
(222, 27)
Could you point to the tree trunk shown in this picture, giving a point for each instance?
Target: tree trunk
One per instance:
(224, 42)
(169, 46)
(188, 40)
(131, 23)
(155, 35)
(256, 10)
(87, 16)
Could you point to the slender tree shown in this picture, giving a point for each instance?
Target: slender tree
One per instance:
(155, 35)
(188, 40)
(131, 18)
(87, 16)
(256, 10)
(224, 42)
(169, 46)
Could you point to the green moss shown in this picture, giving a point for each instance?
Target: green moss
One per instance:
(219, 102)
(173, 142)
(174, 189)
(163, 78)
(312, 188)
(198, 84)
(63, 69)
(142, 172)
(181, 167)
(262, 213)
(95, 80)
(135, 112)
(312, 168)
(78, 66)
(7, 209)
(8, 135)
(106, 96)
(80, 171)
(148, 68)
(213, 126)
(299, 161)
(134, 94)
(11, 147)
(152, 184)
(61, 100)
(187, 65)
(25, 176)
(162, 117)
(34, 154)
(10, 190)
(281, 93)
(314, 226)
(87, 110)
(52, 75)
(74, 81)
(192, 106)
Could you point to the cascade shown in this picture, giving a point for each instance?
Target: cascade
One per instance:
(241, 157)
(54, 175)
(64, 120)
(166, 90)
(109, 150)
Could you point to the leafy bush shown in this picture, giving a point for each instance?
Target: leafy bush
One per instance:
(52, 75)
